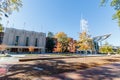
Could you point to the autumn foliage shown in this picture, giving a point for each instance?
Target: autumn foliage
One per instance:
(64, 43)
(85, 42)
(71, 45)
(31, 49)
(3, 47)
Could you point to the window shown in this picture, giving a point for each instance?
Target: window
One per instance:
(16, 40)
(1, 37)
(36, 42)
(27, 41)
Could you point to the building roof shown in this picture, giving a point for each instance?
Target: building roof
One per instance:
(101, 38)
(23, 47)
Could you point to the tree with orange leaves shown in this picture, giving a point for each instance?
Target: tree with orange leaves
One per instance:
(3, 47)
(59, 47)
(62, 42)
(71, 45)
(31, 49)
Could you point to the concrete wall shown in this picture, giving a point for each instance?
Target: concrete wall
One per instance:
(11, 33)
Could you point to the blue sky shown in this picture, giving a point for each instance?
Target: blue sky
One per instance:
(64, 15)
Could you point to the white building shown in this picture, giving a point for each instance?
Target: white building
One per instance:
(20, 40)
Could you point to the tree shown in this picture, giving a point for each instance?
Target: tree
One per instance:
(106, 48)
(118, 51)
(1, 28)
(3, 47)
(50, 35)
(8, 6)
(62, 40)
(58, 47)
(50, 44)
(31, 49)
(71, 45)
(85, 42)
(116, 5)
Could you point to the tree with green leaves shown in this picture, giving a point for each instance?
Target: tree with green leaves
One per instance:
(106, 48)
(8, 6)
(50, 43)
(118, 51)
(1, 28)
(116, 5)
(50, 35)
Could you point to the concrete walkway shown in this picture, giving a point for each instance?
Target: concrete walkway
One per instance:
(106, 72)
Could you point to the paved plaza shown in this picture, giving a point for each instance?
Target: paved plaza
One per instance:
(57, 67)
(106, 72)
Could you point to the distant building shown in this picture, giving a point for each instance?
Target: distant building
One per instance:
(18, 40)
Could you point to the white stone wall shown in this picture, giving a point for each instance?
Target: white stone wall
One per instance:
(11, 33)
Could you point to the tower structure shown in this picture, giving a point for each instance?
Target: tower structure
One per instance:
(83, 25)
(85, 42)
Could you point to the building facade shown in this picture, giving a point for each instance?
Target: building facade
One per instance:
(20, 40)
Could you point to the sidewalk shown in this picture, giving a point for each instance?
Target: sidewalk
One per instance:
(107, 72)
